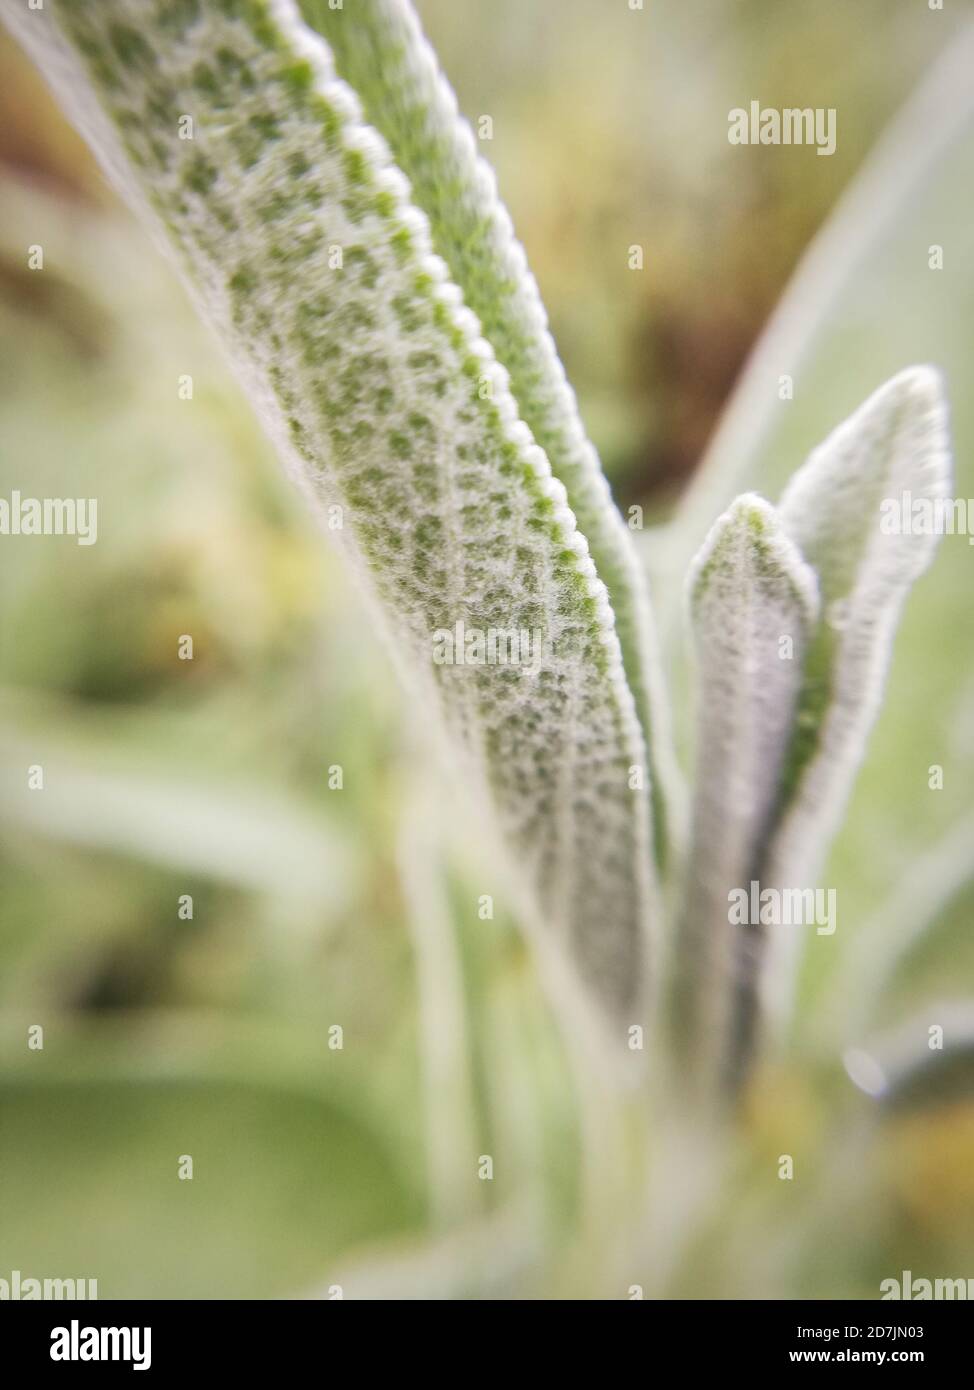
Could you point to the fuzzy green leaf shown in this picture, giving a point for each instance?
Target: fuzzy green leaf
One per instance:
(754, 604)
(840, 509)
(844, 510)
(380, 49)
(296, 235)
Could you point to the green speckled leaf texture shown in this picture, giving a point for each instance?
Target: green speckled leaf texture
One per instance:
(383, 398)
(380, 49)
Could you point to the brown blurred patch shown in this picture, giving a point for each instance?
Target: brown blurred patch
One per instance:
(35, 139)
(694, 361)
(82, 322)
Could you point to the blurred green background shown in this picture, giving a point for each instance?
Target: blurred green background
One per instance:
(210, 1037)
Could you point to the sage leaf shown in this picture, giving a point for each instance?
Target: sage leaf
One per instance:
(754, 604)
(380, 49)
(297, 238)
(845, 509)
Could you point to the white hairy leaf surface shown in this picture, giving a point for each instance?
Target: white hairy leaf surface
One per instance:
(843, 509)
(380, 49)
(294, 232)
(753, 604)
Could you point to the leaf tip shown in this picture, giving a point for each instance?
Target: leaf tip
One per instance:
(747, 547)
